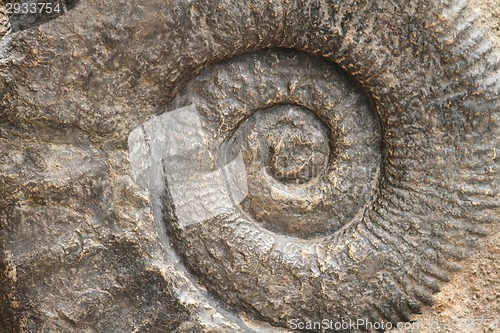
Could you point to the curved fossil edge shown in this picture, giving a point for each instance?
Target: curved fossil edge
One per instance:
(82, 191)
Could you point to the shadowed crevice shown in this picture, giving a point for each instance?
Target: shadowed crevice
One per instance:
(26, 14)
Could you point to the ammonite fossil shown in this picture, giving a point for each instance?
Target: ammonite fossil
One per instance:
(301, 159)
(310, 147)
(349, 208)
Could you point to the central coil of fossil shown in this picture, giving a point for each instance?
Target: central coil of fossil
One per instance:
(310, 147)
(299, 183)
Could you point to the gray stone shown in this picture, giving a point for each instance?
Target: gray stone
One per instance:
(236, 166)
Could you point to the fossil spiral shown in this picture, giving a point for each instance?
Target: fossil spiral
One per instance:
(230, 166)
(349, 207)
(310, 145)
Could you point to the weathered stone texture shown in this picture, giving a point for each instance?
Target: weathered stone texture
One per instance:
(410, 87)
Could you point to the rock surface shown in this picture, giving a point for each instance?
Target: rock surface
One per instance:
(84, 247)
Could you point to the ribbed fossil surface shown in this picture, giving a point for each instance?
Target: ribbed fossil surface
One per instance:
(229, 166)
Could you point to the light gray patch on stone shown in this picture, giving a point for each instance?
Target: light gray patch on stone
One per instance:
(172, 149)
